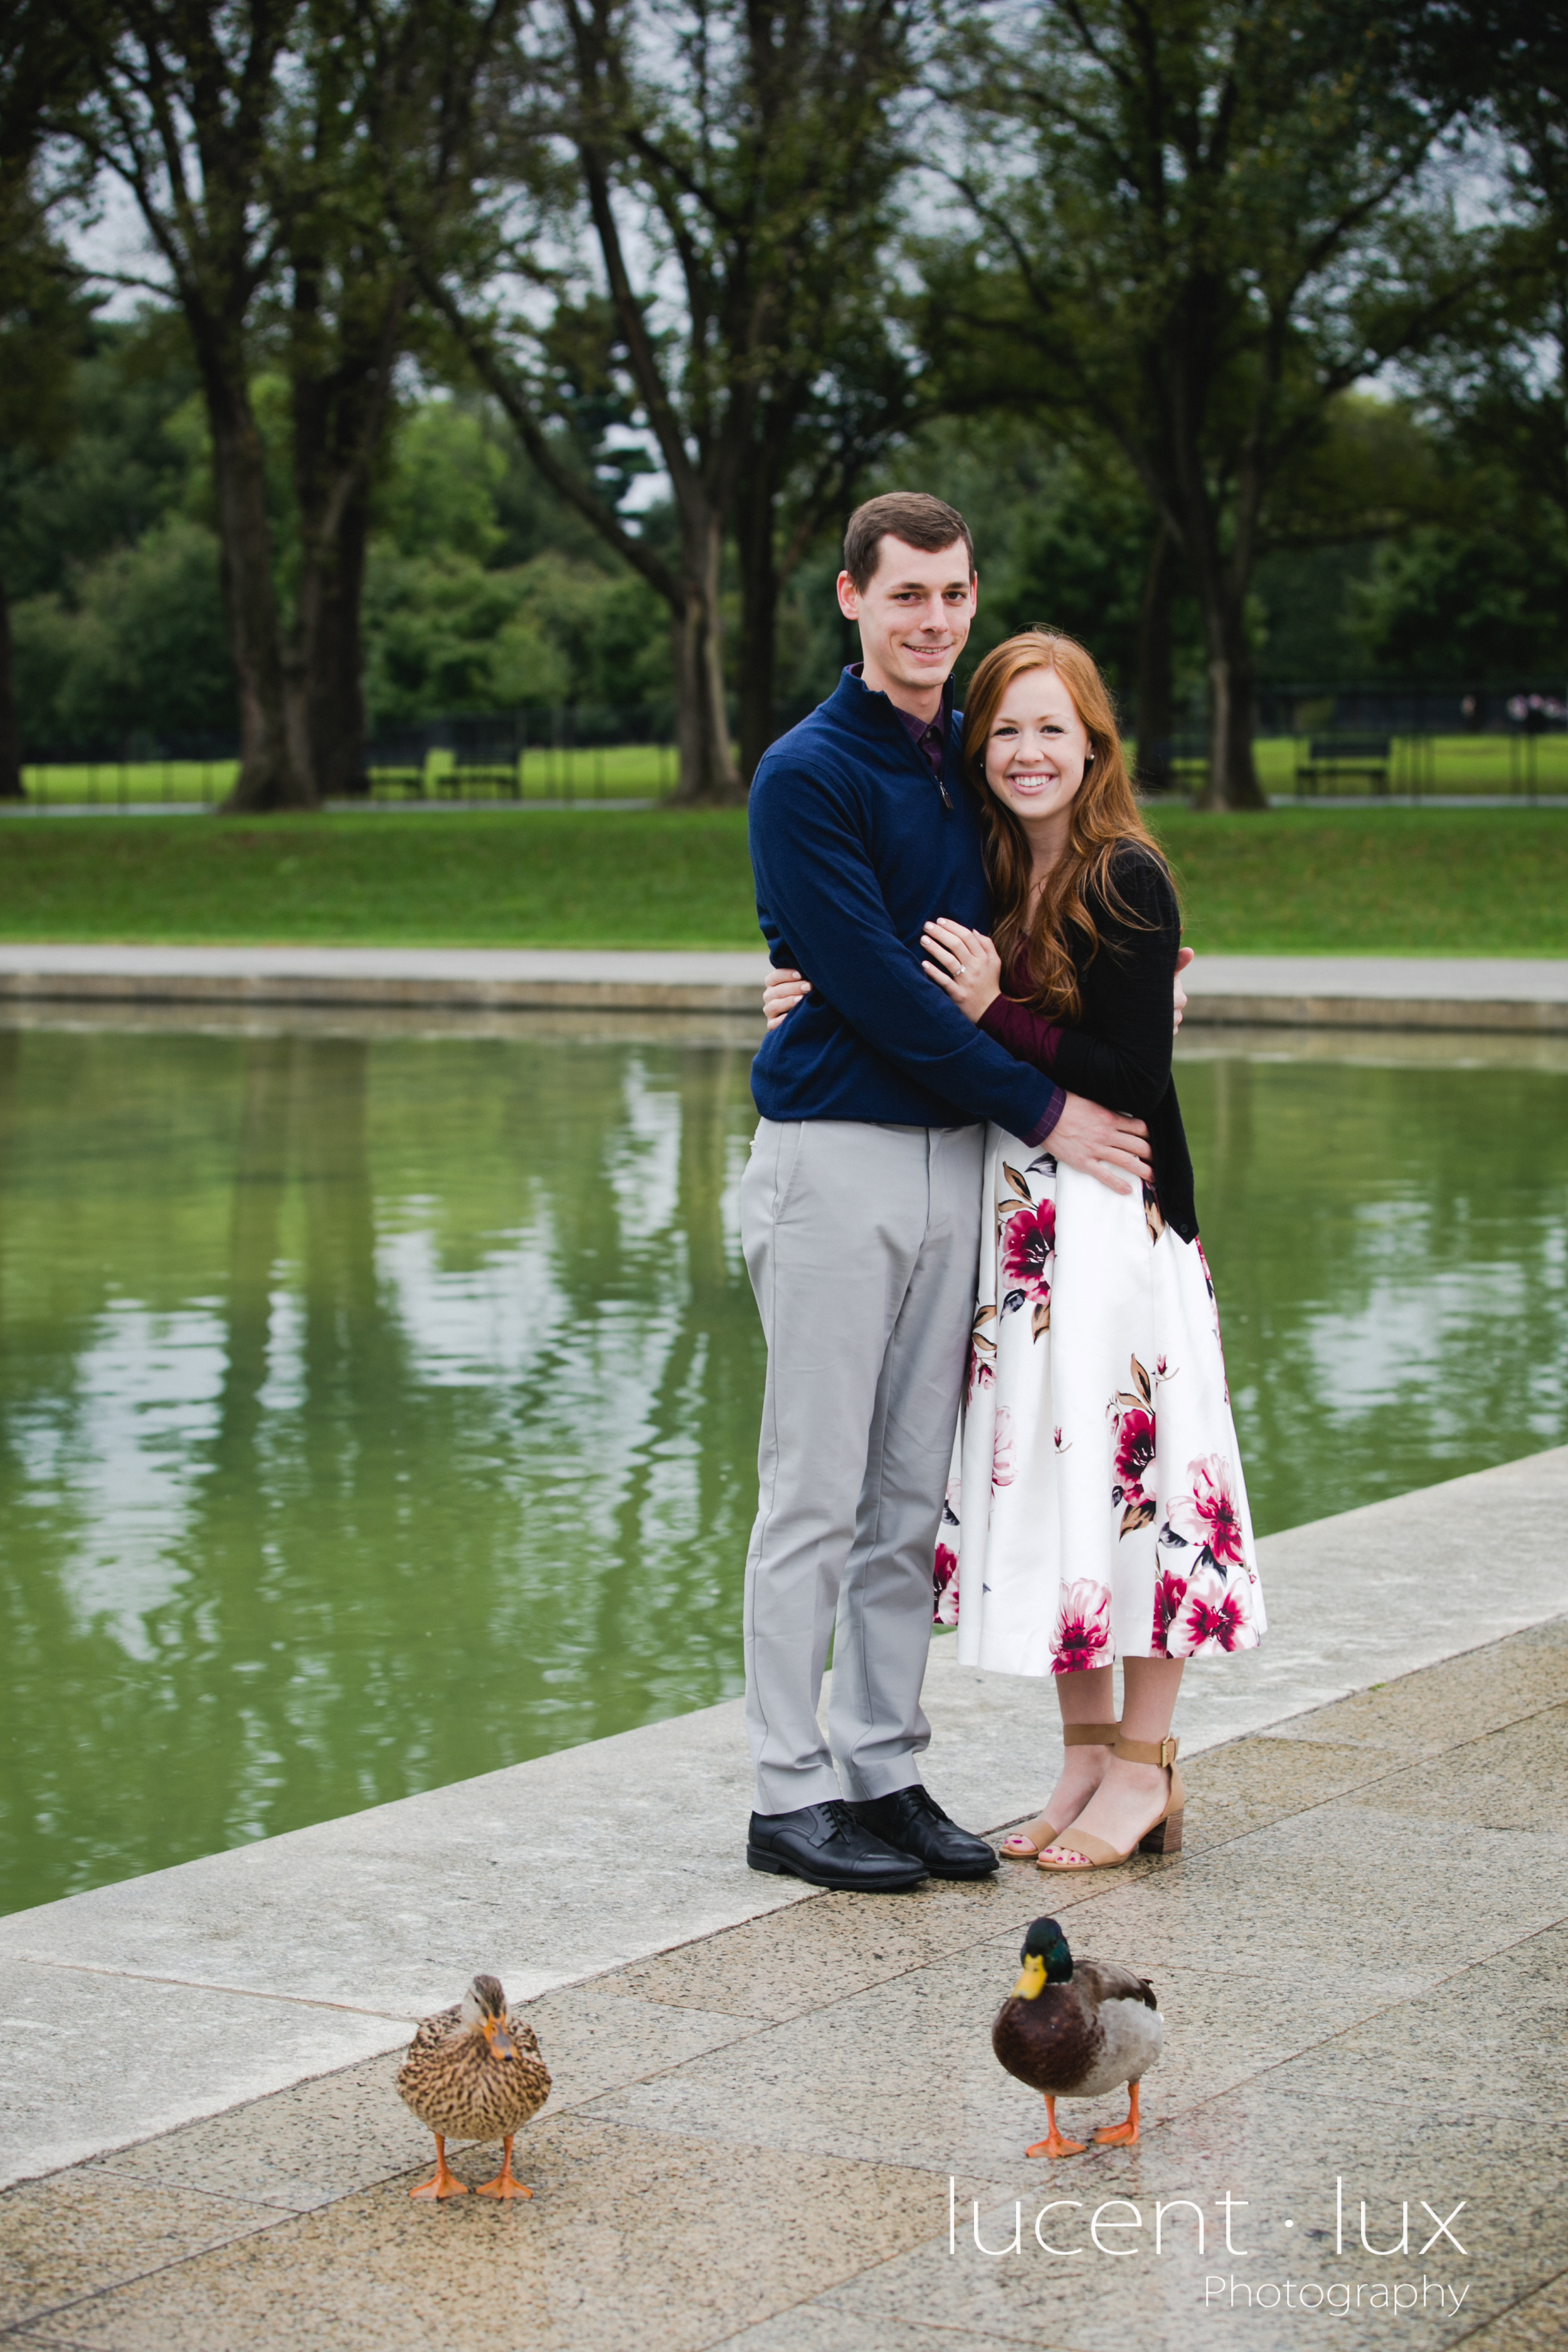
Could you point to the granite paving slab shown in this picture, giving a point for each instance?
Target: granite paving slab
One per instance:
(65, 2239)
(791, 2135)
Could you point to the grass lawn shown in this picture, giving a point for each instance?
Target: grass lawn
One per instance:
(1407, 881)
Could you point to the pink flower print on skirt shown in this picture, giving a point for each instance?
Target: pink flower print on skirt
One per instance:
(1098, 1499)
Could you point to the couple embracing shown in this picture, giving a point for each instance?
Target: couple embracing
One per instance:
(995, 1387)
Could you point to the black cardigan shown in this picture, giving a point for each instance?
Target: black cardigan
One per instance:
(1120, 1056)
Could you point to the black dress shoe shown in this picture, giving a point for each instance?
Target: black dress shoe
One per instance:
(912, 1820)
(825, 1846)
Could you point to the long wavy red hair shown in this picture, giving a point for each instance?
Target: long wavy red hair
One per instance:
(1105, 818)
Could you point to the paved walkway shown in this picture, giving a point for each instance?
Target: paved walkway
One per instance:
(791, 2137)
(1354, 992)
(762, 2092)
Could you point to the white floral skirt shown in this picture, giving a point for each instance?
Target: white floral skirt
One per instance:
(1097, 1507)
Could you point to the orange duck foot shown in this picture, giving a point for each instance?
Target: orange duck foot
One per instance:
(1121, 2135)
(505, 2183)
(1054, 2144)
(446, 2183)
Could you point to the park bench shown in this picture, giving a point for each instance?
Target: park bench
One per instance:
(483, 761)
(1330, 757)
(1180, 760)
(396, 764)
(1188, 759)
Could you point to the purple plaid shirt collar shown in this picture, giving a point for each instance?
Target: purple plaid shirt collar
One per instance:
(929, 736)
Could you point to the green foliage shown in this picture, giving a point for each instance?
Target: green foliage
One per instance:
(134, 453)
(481, 592)
(442, 484)
(468, 605)
(140, 650)
(442, 634)
(1482, 604)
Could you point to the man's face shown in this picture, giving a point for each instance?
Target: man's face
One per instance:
(913, 615)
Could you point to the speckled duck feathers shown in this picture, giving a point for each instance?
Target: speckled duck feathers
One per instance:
(462, 2088)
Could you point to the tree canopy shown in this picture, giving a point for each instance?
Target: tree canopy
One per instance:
(496, 354)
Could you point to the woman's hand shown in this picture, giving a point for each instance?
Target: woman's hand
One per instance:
(964, 963)
(1185, 956)
(785, 988)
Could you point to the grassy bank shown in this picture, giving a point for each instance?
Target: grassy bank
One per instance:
(1409, 881)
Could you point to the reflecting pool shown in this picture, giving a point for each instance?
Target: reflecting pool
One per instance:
(379, 1407)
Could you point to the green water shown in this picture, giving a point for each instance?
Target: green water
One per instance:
(377, 1409)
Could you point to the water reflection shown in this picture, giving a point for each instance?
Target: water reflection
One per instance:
(1389, 1245)
(377, 1409)
(373, 1415)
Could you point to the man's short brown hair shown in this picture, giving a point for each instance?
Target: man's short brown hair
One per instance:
(919, 520)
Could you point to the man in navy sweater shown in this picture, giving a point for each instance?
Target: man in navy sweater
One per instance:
(861, 1216)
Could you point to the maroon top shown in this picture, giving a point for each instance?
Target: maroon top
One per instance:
(1028, 1035)
(1120, 1054)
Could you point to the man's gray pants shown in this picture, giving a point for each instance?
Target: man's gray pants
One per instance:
(863, 1246)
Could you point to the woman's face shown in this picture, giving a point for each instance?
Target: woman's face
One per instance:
(1037, 749)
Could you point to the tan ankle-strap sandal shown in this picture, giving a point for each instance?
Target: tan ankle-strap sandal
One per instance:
(1028, 1844)
(1086, 1851)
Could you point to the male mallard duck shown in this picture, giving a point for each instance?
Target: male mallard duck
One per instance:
(1076, 2030)
(474, 2073)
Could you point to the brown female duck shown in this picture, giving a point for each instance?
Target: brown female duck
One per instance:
(1075, 2030)
(474, 2073)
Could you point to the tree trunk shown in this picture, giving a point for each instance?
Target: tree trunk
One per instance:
(326, 686)
(272, 772)
(1222, 600)
(1233, 773)
(1155, 696)
(337, 727)
(340, 409)
(759, 617)
(708, 771)
(11, 785)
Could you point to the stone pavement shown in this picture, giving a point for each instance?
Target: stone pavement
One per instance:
(1410, 992)
(791, 2137)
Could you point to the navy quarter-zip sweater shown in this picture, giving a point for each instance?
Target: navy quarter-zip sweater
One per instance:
(856, 846)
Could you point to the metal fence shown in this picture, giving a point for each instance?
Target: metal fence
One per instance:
(1312, 741)
(1413, 741)
(568, 754)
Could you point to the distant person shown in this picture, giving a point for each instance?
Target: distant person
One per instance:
(860, 1213)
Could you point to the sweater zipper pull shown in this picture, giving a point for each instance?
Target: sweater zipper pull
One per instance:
(946, 795)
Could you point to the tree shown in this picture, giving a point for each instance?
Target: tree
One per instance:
(1496, 381)
(1205, 220)
(42, 314)
(731, 166)
(42, 319)
(183, 106)
(344, 304)
(243, 134)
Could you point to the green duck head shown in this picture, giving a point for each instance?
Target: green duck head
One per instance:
(1046, 1960)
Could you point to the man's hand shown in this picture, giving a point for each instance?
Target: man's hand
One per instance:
(786, 988)
(1185, 956)
(1103, 1144)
